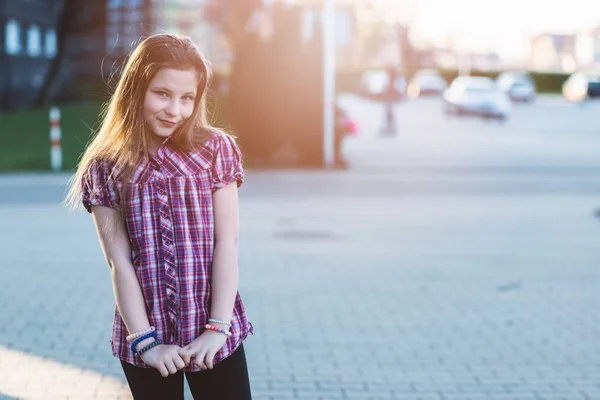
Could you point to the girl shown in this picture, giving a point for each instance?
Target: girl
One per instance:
(161, 185)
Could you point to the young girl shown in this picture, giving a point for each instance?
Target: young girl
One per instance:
(161, 185)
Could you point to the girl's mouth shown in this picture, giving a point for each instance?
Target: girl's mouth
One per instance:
(166, 123)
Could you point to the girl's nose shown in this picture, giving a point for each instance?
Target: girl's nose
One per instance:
(172, 109)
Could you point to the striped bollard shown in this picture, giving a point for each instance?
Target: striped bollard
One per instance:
(55, 140)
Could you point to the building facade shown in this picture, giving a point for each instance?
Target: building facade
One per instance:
(86, 40)
(587, 49)
(566, 53)
(28, 44)
(553, 53)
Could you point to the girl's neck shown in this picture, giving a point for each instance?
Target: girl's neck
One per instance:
(154, 144)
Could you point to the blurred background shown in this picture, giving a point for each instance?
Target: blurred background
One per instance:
(421, 212)
(69, 53)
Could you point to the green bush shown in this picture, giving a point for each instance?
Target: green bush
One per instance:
(26, 136)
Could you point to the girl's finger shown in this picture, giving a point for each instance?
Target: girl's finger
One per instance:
(186, 355)
(200, 363)
(163, 370)
(179, 362)
(171, 367)
(209, 359)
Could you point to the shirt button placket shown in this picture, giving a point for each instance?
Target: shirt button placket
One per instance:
(168, 251)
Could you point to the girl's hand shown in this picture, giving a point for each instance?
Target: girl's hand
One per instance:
(165, 358)
(203, 349)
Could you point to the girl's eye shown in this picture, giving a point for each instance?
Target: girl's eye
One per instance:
(188, 98)
(162, 94)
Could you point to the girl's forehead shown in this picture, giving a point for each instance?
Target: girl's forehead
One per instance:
(176, 79)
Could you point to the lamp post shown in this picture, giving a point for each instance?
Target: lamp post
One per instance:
(329, 51)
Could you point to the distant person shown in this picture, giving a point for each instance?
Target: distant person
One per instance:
(162, 186)
(340, 132)
(390, 96)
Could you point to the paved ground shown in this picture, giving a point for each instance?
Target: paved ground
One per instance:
(458, 260)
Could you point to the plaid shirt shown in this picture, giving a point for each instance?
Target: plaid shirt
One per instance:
(170, 223)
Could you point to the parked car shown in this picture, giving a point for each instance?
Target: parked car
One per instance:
(374, 84)
(518, 85)
(582, 85)
(480, 96)
(426, 82)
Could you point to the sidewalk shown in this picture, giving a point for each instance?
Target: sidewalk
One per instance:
(457, 261)
(357, 288)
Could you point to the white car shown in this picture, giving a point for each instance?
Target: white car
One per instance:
(426, 82)
(518, 85)
(582, 85)
(480, 96)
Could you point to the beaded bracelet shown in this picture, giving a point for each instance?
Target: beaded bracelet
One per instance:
(150, 346)
(137, 334)
(215, 329)
(141, 339)
(218, 321)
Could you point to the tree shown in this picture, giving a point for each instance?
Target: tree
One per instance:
(233, 17)
(70, 22)
(275, 96)
(66, 17)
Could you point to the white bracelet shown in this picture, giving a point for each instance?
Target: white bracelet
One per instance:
(141, 333)
(218, 321)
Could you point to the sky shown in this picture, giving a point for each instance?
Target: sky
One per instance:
(505, 26)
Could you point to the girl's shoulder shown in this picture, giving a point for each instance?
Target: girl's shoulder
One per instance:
(103, 167)
(216, 144)
(215, 138)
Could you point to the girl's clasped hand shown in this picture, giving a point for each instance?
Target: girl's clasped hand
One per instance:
(168, 359)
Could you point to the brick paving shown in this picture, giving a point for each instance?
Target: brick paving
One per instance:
(405, 283)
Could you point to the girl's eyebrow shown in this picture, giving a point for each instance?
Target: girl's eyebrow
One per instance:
(169, 91)
(161, 88)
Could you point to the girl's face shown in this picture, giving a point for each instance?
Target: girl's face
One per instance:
(169, 101)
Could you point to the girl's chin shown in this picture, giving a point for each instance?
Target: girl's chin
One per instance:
(162, 133)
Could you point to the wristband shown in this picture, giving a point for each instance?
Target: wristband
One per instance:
(150, 346)
(215, 329)
(141, 339)
(218, 321)
(137, 334)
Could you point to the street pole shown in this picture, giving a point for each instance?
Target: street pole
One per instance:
(55, 140)
(329, 51)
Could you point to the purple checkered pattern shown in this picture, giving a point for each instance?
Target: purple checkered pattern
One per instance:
(170, 222)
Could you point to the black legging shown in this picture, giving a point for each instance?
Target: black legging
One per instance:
(228, 380)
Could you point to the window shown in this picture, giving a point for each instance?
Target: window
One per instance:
(50, 45)
(115, 3)
(13, 42)
(134, 3)
(34, 45)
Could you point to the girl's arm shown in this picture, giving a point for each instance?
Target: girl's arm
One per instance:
(128, 294)
(224, 279)
(117, 251)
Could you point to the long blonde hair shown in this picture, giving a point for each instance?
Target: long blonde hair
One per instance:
(121, 138)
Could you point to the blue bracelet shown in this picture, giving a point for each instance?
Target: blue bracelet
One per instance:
(141, 339)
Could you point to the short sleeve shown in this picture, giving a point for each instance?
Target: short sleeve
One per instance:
(227, 163)
(98, 188)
